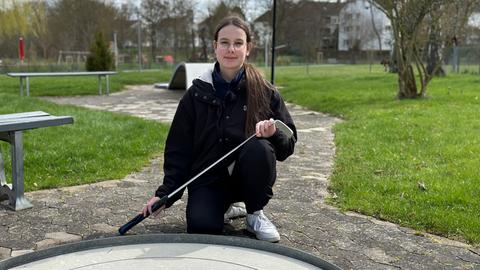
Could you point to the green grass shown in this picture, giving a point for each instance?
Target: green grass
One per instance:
(386, 147)
(83, 85)
(98, 146)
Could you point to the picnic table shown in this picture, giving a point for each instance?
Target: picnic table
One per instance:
(11, 128)
(26, 75)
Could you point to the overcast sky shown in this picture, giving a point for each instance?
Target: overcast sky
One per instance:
(202, 6)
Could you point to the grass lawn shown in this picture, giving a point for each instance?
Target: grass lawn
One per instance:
(387, 149)
(98, 146)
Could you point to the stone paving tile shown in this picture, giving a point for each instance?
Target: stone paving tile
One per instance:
(304, 220)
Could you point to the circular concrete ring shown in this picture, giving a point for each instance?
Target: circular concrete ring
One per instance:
(168, 251)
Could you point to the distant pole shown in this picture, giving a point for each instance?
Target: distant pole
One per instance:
(21, 49)
(266, 52)
(273, 40)
(115, 49)
(456, 62)
(139, 33)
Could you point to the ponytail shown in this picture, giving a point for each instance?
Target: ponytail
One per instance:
(258, 98)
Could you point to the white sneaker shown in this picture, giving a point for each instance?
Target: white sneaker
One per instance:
(236, 210)
(262, 227)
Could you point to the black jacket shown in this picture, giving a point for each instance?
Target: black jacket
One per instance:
(206, 127)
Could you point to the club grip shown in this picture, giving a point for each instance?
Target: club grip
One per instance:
(139, 218)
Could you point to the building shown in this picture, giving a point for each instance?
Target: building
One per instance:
(309, 28)
(363, 27)
(473, 28)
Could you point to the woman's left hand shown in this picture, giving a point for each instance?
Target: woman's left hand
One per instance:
(265, 128)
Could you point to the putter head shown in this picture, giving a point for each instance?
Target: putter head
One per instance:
(283, 128)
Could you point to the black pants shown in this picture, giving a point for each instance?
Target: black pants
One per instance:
(251, 181)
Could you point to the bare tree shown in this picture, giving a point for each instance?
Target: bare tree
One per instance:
(207, 26)
(39, 22)
(451, 20)
(181, 25)
(410, 28)
(14, 23)
(153, 12)
(375, 28)
(73, 24)
(124, 24)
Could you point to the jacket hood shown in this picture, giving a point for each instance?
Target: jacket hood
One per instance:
(207, 75)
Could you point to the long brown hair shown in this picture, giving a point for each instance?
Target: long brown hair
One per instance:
(258, 89)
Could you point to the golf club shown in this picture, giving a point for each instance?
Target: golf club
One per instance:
(139, 218)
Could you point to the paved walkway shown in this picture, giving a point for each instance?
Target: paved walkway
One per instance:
(349, 240)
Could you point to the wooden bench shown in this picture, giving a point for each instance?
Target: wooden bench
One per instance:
(26, 75)
(11, 127)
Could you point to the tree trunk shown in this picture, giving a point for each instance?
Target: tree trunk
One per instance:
(407, 87)
(194, 49)
(374, 26)
(204, 56)
(153, 41)
(434, 65)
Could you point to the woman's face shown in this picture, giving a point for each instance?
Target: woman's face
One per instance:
(231, 48)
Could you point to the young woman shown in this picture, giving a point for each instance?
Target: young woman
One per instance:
(220, 110)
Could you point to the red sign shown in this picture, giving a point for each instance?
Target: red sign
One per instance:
(21, 49)
(168, 59)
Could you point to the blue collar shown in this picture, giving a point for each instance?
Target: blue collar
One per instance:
(221, 86)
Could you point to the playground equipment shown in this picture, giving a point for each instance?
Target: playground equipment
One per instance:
(69, 57)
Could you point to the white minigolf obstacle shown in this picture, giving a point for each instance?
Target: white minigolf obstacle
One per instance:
(184, 74)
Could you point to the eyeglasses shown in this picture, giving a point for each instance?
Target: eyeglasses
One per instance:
(226, 45)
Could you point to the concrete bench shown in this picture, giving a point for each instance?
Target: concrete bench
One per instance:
(11, 127)
(26, 75)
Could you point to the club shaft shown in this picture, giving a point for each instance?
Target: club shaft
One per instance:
(163, 201)
(157, 205)
(209, 167)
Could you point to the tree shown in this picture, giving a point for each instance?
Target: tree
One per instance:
(170, 26)
(377, 30)
(39, 22)
(73, 23)
(433, 56)
(180, 25)
(124, 25)
(100, 57)
(153, 12)
(208, 25)
(410, 21)
(14, 23)
(452, 23)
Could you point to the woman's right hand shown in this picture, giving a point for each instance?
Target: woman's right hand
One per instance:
(147, 208)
